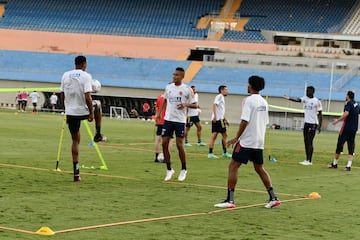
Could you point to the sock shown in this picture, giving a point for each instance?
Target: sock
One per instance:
(168, 165)
(224, 147)
(230, 195)
(98, 129)
(76, 169)
(156, 155)
(199, 141)
(335, 162)
(349, 163)
(186, 141)
(183, 166)
(271, 193)
(210, 150)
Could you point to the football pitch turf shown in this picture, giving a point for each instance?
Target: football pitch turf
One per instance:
(130, 200)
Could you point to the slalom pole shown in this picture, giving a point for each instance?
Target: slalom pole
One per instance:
(271, 159)
(60, 145)
(103, 167)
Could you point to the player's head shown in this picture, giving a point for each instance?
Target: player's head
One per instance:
(350, 95)
(178, 75)
(256, 83)
(80, 62)
(223, 90)
(310, 90)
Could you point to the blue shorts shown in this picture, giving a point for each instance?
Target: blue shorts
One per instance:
(243, 155)
(170, 127)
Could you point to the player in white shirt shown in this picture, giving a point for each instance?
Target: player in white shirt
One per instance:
(53, 101)
(249, 143)
(312, 121)
(178, 97)
(194, 119)
(76, 95)
(219, 122)
(34, 100)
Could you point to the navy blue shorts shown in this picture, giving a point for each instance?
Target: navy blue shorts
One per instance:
(170, 127)
(349, 137)
(243, 155)
(192, 120)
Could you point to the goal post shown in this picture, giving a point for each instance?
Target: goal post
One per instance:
(118, 113)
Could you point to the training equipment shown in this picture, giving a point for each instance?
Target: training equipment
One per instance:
(60, 144)
(160, 157)
(225, 204)
(182, 175)
(118, 113)
(169, 174)
(95, 85)
(314, 195)
(273, 203)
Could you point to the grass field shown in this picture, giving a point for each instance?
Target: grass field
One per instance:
(130, 200)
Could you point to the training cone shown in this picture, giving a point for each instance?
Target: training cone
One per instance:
(314, 195)
(45, 231)
(272, 159)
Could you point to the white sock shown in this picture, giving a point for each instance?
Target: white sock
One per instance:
(349, 164)
(335, 162)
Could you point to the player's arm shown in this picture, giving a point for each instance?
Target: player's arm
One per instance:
(214, 107)
(292, 99)
(88, 100)
(343, 116)
(162, 108)
(320, 117)
(242, 126)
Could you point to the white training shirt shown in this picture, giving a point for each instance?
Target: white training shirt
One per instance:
(34, 97)
(75, 84)
(311, 107)
(175, 95)
(194, 111)
(256, 112)
(220, 107)
(53, 99)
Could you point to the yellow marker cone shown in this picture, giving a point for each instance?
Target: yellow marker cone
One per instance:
(314, 195)
(45, 231)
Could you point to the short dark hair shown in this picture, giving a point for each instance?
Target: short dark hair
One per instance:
(180, 69)
(221, 87)
(80, 60)
(351, 94)
(257, 83)
(311, 88)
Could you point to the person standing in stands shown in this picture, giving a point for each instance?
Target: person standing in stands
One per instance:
(312, 121)
(350, 119)
(178, 97)
(194, 119)
(76, 91)
(219, 122)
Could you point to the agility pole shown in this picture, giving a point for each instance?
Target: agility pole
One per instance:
(60, 144)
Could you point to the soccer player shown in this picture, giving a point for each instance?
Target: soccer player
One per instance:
(249, 142)
(193, 118)
(75, 95)
(178, 97)
(53, 101)
(34, 100)
(159, 123)
(219, 122)
(312, 121)
(350, 118)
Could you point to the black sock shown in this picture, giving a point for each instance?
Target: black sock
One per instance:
(272, 195)
(210, 150)
(98, 130)
(230, 195)
(199, 141)
(183, 166)
(168, 165)
(76, 169)
(156, 155)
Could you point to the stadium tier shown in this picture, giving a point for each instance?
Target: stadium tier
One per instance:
(155, 74)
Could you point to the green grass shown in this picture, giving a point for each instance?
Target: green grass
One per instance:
(132, 196)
